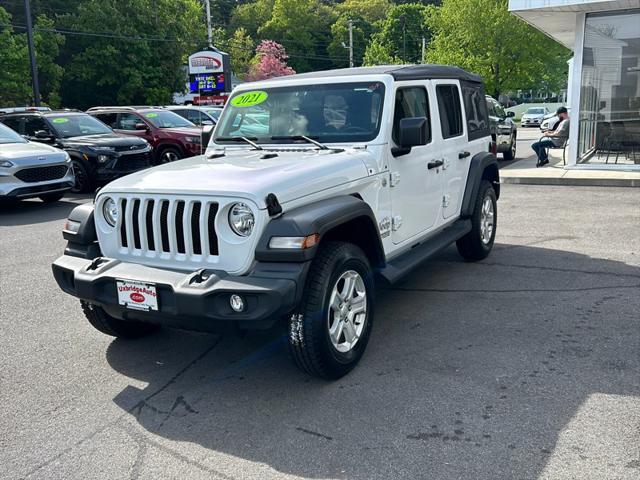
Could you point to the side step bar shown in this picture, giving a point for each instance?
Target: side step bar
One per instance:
(402, 265)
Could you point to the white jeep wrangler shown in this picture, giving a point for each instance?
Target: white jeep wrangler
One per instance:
(312, 186)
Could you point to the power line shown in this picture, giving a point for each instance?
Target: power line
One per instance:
(223, 43)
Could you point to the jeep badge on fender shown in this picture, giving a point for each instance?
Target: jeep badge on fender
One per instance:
(312, 188)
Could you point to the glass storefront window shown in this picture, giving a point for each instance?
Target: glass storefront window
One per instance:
(609, 123)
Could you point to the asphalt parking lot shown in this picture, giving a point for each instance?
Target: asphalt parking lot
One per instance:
(523, 366)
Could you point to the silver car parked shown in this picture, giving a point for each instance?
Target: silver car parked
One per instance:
(30, 170)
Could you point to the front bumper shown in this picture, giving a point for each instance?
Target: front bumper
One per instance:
(12, 187)
(188, 300)
(121, 164)
(525, 122)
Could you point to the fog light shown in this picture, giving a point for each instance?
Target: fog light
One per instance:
(237, 303)
(103, 158)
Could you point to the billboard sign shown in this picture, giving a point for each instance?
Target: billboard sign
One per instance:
(207, 61)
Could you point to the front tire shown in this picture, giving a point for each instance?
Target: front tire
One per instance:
(168, 155)
(477, 244)
(330, 330)
(83, 181)
(105, 323)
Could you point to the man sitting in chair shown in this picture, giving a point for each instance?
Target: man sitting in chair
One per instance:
(552, 139)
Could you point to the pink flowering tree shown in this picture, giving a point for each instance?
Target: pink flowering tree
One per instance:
(270, 61)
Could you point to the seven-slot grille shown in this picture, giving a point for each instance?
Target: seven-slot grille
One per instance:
(175, 227)
(41, 174)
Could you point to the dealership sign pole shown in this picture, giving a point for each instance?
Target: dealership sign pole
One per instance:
(32, 55)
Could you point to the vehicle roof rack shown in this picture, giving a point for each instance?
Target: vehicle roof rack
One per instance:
(131, 108)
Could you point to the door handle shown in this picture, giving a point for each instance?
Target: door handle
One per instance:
(462, 155)
(435, 164)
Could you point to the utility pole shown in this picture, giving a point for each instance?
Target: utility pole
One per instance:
(424, 44)
(32, 55)
(350, 43)
(209, 35)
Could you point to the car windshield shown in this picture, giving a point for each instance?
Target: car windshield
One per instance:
(534, 111)
(77, 125)
(9, 136)
(213, 112)
(342, 112)
(166, 119)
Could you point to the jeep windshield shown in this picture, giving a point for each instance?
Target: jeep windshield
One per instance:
(76, 125)
(341, 112)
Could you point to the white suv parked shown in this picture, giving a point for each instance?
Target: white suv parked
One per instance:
(313, 187)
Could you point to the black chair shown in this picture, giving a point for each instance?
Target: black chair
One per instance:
(563, 146)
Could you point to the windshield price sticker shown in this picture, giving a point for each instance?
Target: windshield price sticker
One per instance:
(249, 99)
(60, 120)
(151, 115)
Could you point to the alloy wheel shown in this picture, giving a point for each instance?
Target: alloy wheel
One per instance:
(347, 314)
(486, 220)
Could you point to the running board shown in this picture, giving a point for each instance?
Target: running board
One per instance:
(402, 265)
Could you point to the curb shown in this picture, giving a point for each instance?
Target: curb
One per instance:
(572, 182)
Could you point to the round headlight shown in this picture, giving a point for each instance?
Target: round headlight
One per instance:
(110, 211)
(241, 219)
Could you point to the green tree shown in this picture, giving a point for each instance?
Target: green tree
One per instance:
(15, 88)
(47, 46)
(135, 51)
(303, 28)
(251, 16)
(400, 34)
(240, 47)
(365, 15)
(483, 37)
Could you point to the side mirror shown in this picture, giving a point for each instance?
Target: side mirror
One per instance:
(207, 122)
(413, 132)
(140, 126)
(43, 135)
(511, 114)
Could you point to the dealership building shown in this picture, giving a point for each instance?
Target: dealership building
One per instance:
(604, 75)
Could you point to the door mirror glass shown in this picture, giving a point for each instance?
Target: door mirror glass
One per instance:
(511, 114)
(413, 132)
(43, 135)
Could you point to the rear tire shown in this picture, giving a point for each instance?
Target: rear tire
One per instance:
(105, 323)
(51, 197)
(477, 244)
(511, 153)
(329, 331)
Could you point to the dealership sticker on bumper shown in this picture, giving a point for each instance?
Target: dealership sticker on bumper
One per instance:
(137, 295)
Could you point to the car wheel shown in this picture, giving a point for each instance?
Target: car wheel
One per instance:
(51, 197)
(511, 153)
(105, 323)
(169, 154)
(330, 330)
(477, 244)
(83, 182)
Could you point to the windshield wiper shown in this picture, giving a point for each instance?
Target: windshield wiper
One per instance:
(301, 137)
(248, 140)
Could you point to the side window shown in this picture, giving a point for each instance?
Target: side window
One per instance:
(499, 110)
(450, 110)
(410, 102)
(33, 124)
(110, 119)
(195, 116)
(478, 107)
(14, 124)
(128, 121)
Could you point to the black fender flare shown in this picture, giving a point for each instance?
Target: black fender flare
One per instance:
(328, 218)
(83, 243)
(484, 166)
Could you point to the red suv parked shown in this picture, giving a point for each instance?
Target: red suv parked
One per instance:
(172, 136)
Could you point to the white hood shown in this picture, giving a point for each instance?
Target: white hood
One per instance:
(248, 174)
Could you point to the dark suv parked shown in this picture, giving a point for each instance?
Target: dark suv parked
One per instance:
(504, 131)
(98, 155)
(171, 136)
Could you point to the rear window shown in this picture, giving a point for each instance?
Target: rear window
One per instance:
(476, 106)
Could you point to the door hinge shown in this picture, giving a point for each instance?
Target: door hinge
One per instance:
(445, 200)
(394, 179)
(396, 223)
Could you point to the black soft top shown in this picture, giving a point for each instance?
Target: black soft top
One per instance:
(398, 72)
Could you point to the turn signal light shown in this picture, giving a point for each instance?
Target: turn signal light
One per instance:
(294, 243)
